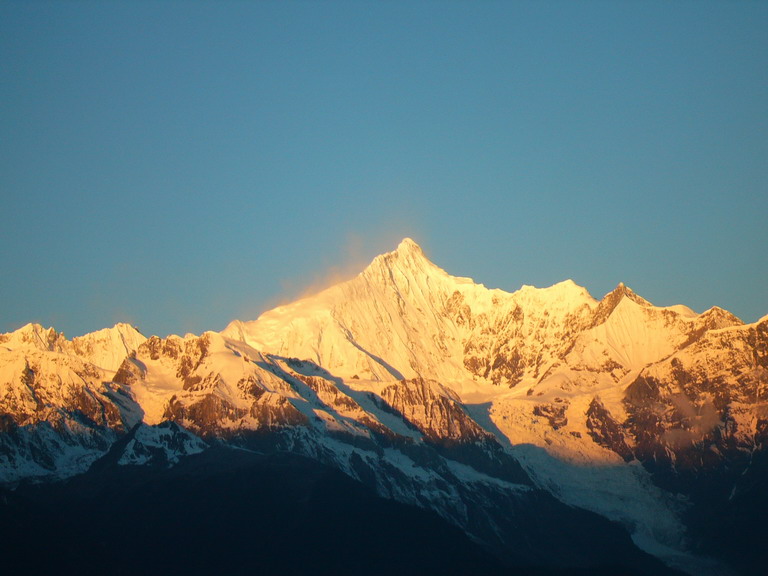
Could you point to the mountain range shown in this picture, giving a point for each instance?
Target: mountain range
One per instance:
(542, 431)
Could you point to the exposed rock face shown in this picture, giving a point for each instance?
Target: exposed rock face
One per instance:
(605, 431)
(554, 413)
(433, 410)
(700, 411)
(207, 385)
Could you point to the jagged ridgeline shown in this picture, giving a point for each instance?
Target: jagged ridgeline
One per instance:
(556, 430)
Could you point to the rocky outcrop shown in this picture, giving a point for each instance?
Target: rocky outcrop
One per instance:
(606, 431)
(433, 410)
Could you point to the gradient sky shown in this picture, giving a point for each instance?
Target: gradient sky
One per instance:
(177, 165)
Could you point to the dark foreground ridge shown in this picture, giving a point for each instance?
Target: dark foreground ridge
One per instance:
(235, 512)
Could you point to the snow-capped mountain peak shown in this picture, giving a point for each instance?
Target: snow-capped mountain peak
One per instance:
(409, 246)
(404, 264)
(108, 348)
(33, 335)
(433, 388)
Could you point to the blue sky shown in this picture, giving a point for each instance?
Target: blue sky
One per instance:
(177, 165)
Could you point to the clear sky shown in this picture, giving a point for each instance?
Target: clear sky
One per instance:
(177, 165)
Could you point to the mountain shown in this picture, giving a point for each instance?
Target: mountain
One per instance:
(58, 410)
(560, 431)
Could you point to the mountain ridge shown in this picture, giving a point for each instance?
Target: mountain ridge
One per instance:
(430, 389)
